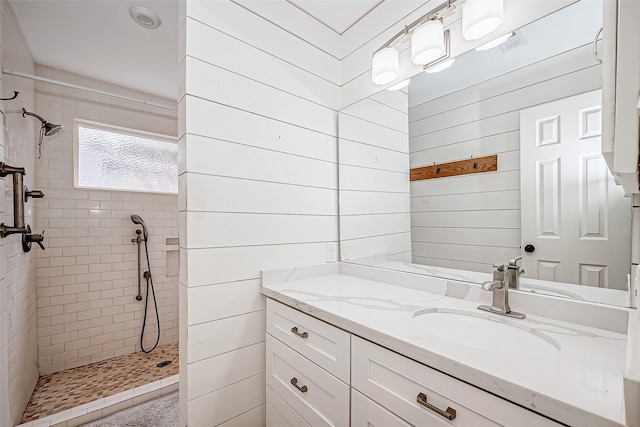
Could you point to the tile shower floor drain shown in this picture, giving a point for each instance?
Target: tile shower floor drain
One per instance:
(164, 363)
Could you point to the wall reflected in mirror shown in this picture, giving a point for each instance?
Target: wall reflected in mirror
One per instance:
(532, 100)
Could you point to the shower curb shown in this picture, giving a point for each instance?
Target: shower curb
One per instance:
(101, 408)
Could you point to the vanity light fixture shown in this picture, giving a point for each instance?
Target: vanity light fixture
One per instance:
(481, 17)
(430, 42)
(385, 66)
(495, 42)
(440, 66)
(427, 42)
(400, 85)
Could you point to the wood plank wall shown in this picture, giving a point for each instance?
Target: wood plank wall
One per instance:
(258, 190)
(473, 221)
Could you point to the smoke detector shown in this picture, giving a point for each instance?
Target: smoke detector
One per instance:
(145, 17)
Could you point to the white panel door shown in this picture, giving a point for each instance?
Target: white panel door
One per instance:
(573, 213)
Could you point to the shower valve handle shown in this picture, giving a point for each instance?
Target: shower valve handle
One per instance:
(34, 194)
(28, 239)
(38, 238)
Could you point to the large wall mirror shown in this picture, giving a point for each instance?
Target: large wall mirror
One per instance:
(534, 102)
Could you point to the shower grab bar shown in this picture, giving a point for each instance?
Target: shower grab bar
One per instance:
(138, 240)
(20, 192)
(18, 200)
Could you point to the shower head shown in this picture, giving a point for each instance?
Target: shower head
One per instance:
(47, 129)
(51, 129)
(137, 220)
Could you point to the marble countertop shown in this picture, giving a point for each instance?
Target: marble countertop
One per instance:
(573, 374)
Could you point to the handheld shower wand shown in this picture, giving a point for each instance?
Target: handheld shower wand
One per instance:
(137, 220)
(147, 275)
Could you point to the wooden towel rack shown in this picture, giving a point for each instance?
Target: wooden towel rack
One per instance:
(462, 167)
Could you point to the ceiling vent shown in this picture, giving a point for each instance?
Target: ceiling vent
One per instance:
(516, 40)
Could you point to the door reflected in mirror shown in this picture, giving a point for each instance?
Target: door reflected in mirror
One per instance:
(534, 101)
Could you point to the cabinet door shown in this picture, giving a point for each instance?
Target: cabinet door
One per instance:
(621, 86)
(425, 397)
(279, 414)
(367, 413)
(319, 397)
(320, 342)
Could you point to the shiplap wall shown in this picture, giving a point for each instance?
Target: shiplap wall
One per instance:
(258, 189)
(374, 177)
(473, 221)
(261, 86)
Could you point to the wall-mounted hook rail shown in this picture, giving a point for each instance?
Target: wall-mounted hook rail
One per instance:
(462, 167)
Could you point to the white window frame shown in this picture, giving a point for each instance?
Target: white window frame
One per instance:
(77, 123)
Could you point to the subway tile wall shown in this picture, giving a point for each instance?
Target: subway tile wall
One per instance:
(18, 365)
(87, 276)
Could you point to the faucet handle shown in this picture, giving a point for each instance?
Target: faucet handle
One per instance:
(499, 267)
(513, 263)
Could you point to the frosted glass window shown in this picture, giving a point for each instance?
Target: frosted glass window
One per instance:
(111, 159)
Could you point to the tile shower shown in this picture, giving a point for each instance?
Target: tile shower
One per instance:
(74, 303)
(87, 277)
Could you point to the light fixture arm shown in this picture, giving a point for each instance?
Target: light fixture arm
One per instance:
(439, 12)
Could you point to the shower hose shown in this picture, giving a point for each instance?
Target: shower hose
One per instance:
(147, 276)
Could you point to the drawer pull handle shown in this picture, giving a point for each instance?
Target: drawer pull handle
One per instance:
(449, 414)
(301, 335)
(294, 381)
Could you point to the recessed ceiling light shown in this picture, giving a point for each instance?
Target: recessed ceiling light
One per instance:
(145, 17)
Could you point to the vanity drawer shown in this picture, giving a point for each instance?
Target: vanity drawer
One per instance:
(319, 397)
(318, 341)
(398, 383)
(280, 414)
(367, 413)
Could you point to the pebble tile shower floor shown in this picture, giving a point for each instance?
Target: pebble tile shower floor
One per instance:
(73, 387)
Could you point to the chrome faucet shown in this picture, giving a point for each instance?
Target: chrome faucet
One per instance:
(503, 279)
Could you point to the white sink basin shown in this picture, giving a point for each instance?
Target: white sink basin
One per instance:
(484, 331)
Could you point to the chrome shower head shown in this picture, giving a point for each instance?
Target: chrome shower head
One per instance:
(51, 129)
(47, 129)
(137, 220)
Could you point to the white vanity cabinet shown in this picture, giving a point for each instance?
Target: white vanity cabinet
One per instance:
(367, 413)
(308, 383)
(308, 364)
(425, 397)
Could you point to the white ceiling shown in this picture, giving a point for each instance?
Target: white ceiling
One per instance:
(339, 15)
(98, 39)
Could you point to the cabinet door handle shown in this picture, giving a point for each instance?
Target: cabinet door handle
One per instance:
(300, 334)
(449, 414)
(294, 381)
